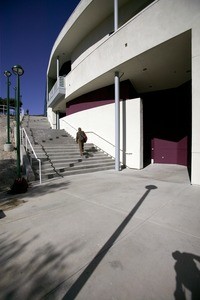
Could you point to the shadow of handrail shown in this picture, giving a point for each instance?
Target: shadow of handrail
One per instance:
(92, 132)
(76, 129)
(83, 278)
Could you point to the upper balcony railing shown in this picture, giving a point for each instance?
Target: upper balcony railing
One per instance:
(57, 91)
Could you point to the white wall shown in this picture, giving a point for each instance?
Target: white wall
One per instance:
(99, 124)
(51, 117)
(133, 126)
(99, 34)
(92, 41)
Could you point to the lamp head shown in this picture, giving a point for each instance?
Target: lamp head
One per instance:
(7, 73)
(18, 70)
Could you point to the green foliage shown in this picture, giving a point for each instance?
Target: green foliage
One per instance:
(12, 102)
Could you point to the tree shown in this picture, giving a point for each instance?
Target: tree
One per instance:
(12, 102)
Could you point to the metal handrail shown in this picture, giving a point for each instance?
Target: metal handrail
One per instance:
(92, 132)
(33, 151)
(70, 125)
(101, 138)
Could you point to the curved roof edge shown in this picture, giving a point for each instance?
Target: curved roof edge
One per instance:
(82, 5)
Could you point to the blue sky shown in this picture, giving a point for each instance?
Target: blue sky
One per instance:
(28, 30)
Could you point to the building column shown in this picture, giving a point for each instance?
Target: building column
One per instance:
(58, 66)
(57, 120)
(195, 163)
(117, 122)
(117, 100)
(115, 15)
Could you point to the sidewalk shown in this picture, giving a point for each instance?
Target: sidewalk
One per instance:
(103, 236)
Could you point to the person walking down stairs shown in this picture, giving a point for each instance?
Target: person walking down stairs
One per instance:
(81, 138)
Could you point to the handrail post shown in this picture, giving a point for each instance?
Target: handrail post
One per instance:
(40, 172)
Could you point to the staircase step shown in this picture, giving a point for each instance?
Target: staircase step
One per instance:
(72, 160)
(88, 146)
(76, 163)
(63, 160)
(62, 150)
(78, 166)
(77, 171)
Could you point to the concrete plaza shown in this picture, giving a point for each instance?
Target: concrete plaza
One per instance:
(105, 235)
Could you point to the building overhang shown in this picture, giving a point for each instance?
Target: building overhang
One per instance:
(165, 66)
(87, 16)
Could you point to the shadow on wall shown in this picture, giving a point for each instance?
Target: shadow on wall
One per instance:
(187, 275)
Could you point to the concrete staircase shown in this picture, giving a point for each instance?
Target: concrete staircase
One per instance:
(59, 153)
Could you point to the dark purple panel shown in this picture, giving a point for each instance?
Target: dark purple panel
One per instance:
(165, 151)
(168, 152)
(86, 105)
(182, 151)
(100, 97)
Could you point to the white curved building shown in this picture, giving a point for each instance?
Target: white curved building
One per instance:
(128, 73)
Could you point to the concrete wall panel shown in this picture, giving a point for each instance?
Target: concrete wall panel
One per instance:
(99, 123)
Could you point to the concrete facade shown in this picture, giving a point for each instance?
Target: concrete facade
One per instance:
(155, 48)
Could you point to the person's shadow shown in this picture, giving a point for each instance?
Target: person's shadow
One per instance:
(187, 275)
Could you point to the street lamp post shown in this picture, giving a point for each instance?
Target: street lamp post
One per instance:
(8, 146)
(15, 89)
(18, 71)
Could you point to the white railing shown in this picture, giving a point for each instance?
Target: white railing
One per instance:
(25, 142)
(3, 110)
(12, 111)
(59, 84)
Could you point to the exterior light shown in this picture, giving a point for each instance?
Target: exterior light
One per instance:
(18, 71)
(7, 74)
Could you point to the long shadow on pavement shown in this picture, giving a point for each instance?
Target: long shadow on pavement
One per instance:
(83, 278)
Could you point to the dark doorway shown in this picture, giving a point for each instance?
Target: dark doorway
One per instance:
(167, 126)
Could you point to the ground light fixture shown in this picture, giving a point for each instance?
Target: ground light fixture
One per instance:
(18, 71)
(8, 146)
